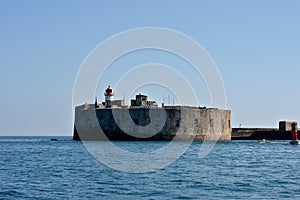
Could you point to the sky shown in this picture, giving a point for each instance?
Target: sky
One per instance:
(254, 43)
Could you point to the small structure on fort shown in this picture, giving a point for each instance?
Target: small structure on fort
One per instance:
(145, 120)
(142, 100)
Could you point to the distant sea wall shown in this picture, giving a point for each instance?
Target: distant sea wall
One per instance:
(259, 134)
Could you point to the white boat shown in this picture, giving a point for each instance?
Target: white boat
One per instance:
(263, 141)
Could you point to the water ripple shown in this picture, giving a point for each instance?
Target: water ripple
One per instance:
(38, 168)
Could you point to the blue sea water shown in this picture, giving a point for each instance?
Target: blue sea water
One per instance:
(38, 168)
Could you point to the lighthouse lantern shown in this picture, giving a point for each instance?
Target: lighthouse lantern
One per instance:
(108, 96)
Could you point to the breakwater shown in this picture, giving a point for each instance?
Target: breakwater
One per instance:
(260, 133)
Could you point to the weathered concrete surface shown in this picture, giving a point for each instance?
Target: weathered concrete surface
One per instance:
(137, 123)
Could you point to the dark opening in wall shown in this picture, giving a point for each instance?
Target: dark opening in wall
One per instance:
(211, 122)
(196, 122)
(177, 122)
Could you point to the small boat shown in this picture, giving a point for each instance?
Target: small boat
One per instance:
(263, 141)
(294, 142)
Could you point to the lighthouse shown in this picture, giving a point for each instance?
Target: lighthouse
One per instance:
(109, 95)
(294, 131)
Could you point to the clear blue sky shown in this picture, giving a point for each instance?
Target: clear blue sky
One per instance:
(255, 44)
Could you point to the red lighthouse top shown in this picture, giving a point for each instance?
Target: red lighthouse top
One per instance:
(108, 91)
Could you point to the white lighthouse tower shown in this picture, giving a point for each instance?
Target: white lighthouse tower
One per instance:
(109, 96)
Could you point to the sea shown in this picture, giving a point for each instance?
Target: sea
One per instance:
(40, 168)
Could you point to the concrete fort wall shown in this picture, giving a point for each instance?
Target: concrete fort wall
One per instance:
(126, 123)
